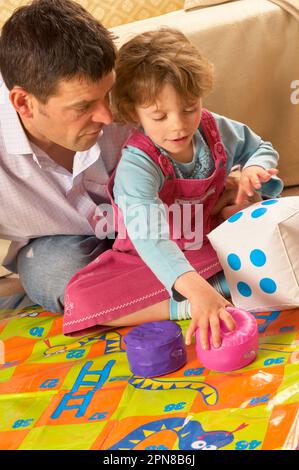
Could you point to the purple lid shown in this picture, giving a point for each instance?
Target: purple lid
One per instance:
(155, 348)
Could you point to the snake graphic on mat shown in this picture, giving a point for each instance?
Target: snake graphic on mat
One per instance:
(190, 435)
(112, 338)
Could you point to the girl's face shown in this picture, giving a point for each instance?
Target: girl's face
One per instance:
(171, 123)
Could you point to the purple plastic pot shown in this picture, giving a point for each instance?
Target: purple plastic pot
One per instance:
(155, 348)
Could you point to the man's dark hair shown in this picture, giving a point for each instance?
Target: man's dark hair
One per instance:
(50, 40)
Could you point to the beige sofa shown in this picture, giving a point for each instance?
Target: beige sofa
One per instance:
(254, 45)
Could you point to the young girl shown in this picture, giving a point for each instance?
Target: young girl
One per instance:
(176, 158)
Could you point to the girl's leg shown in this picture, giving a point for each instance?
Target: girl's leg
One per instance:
(170, 309)
(157, 312)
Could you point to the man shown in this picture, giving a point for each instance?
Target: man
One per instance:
(56, 148)
(58, 145)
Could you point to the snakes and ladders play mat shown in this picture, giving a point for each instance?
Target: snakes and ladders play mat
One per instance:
(58, 392)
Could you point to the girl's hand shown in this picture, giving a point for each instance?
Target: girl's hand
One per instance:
(207, 308)
(251, 179)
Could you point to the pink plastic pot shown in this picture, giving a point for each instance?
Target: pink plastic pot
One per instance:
(239, 347)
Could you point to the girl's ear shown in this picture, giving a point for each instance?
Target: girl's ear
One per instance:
(133, 114)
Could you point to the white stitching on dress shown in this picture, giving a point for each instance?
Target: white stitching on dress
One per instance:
(115, 308)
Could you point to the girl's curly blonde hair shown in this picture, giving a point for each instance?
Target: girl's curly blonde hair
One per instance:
(150, 60)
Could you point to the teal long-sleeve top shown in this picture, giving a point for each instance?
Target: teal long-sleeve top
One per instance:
(138, 181)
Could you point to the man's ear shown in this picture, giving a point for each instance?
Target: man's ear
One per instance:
(21, 101)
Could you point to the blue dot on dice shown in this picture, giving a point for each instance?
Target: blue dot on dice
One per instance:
(258, 212)
(262, 210)
(235, 217)
(234, 261)
(244, 289)
(269, 202)
(258, 258)
(268, 286)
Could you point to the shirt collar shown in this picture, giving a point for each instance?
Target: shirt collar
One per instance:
(83, 160)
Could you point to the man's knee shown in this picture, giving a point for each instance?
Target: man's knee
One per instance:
(64, 254)
(46, 265)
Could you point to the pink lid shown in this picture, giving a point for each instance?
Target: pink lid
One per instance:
(239, 347)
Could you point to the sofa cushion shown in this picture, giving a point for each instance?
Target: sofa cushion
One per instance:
(190, 4)
(116, 12)
(110, 12)
(291, 6)
(4, 245)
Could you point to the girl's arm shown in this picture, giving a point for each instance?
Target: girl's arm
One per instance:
(137, 183)
(245, 148)
(208, 307)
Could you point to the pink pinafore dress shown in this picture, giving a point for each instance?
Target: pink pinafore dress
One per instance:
(118, 282)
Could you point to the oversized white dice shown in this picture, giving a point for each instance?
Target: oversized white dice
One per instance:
(258, 249)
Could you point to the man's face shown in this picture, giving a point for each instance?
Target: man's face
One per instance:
(75, 115)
